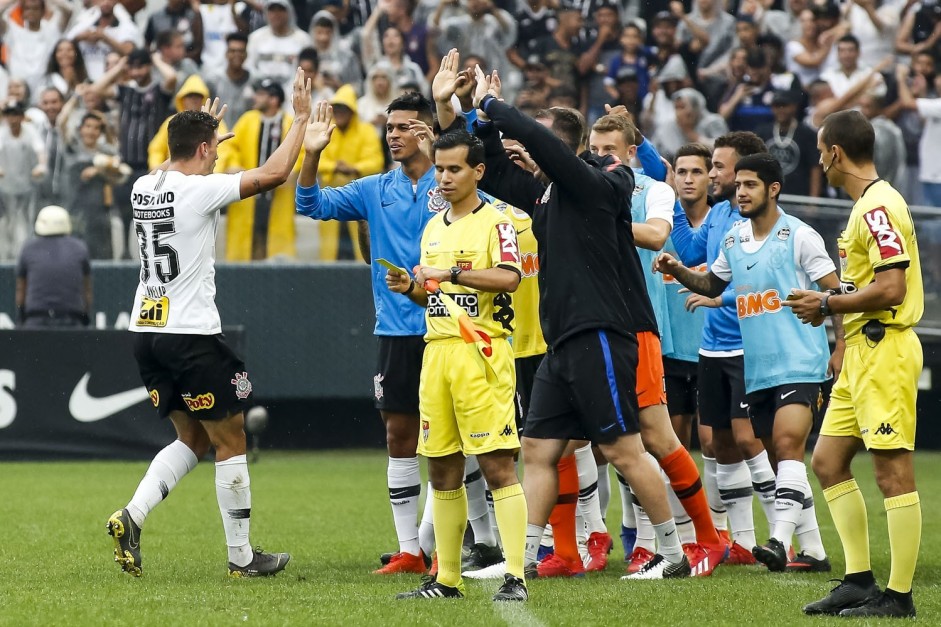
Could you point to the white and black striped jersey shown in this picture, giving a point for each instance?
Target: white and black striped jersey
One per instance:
(176, 216)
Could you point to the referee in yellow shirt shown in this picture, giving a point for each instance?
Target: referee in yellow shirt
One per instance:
(472, 251)
(873, 400)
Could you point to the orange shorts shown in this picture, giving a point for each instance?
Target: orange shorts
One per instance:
(651, 385)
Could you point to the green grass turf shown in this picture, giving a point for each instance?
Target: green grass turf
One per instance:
(330, 510)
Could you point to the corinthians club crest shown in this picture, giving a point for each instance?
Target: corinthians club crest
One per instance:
(436, 201)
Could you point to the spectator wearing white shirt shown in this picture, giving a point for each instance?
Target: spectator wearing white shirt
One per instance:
(850, 72)
(218, 22)
(103, 28)
(22, 160)
(273, 49)
(929, 146)
(874, 23)
(29, 44)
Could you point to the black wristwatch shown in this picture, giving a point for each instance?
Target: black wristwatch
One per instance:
(455, 272)
(825, 306)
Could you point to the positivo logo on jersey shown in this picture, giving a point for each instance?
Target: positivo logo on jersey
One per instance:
(469, 302)
(758, 303)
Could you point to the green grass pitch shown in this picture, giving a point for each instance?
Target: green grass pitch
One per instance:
(331, 512)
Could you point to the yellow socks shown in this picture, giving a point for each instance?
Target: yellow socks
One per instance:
(450, 515)
(904, 517)
(509, 507)
(848, 510)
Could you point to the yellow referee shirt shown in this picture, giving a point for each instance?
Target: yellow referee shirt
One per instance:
(482, 239)
(879, 235)
(527, 335)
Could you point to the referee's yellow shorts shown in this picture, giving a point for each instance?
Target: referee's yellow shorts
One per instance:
(461, 408)
(874, 398)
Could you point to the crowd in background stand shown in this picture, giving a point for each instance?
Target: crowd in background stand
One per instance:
(86, 89)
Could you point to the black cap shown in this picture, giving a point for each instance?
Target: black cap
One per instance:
(626, 73)
(270, 86)
(827, 9)
(139, 56)
(664, 16)
(786, 97)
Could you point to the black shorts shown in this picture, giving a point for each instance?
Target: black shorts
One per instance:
(196, 374)
(586, 390)
(764, 404)
(398, 370)
(721, 391)
(680, 379)
(526, 368)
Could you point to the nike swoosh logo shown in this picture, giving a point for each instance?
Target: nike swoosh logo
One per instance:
(784, 396)
(386, 204)
(751, 266)
(86, 408)
(743, 405)
(521, 232)
(667, 535)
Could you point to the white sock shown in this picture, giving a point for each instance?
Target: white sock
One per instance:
(736, 491)
(426, 530)
(646, 538)
(789, 499)
(234, 494)
(477, 512)
(667, 538)
(684, 524)
(604, 490)
(716, 507)
(169, 466)
(589, 507)
(808, 533)
(762, 478)
(533, 538)
(628, 518)
(404, 481)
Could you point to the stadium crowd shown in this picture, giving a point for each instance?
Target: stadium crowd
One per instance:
(88, 87)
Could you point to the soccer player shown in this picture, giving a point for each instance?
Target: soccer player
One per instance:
(873, 401)
(652, 209)
(686, 314)
(466, 399)
(193, 377)
(590, 281)
(397, 205)
(767, 257)
(742, 466)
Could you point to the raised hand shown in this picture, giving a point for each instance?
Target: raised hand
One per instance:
(445, 82)
(320, 128)
(301, 95)
(465, 88)
(425, 135)
(484, 86)
(212, 108)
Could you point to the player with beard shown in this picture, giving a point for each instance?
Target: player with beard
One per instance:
(785, 362)
(742, 463)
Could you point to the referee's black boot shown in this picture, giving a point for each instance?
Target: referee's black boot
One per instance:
(889, 604)
(847, 595)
